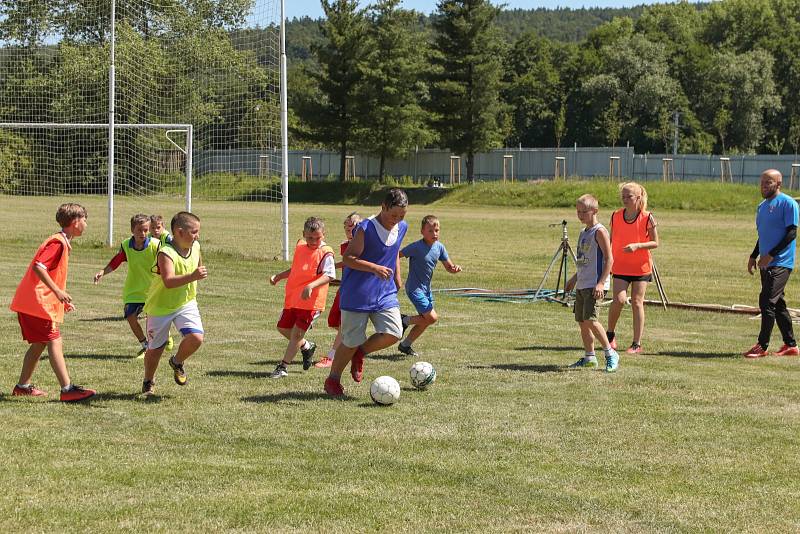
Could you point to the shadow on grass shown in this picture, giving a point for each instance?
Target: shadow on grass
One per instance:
(119, 357)
(135, 397)
(240, 374)
(396, 357)
(530, 368)
(102, 319)
(288, 396)
(545, 347)
(705, 355)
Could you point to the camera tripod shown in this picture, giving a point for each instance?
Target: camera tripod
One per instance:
(562, 255)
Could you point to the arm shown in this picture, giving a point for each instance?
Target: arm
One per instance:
(320, 281)
(283, 275)
(352, 259)
(751, 261)
(571, 283)
(172, 281)
(451, 267)
(604, 242)
(398, 279)
(115, 262)
(44, 276)
(766, 259)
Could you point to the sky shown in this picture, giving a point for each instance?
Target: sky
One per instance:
(311, 8)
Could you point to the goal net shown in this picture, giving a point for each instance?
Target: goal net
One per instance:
(146, 106)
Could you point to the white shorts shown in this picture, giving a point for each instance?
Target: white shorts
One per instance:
(186, 320)
(354, 325)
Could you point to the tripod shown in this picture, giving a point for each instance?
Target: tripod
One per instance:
(562, 255)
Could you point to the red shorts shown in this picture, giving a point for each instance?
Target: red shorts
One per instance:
(37, 330)
(335, 315)
(302, 319)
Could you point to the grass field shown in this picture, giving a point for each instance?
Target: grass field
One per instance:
(687, 437)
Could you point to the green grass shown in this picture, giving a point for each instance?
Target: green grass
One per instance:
(687, 437)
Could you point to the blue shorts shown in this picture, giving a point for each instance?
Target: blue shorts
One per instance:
(421, 299)
(134, 308)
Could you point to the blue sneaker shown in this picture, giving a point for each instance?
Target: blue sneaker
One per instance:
(612, 361)
(587, 362)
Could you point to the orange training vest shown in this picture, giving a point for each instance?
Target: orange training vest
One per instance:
(33, 297)
(305, 269)
(637, 263)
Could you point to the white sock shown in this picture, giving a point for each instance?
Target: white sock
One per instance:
(590, 355)
(331, 354)
(66, 388)
(24, 386)
(306, 345)
(607, 351)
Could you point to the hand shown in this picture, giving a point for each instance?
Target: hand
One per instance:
(456, 269)
(63, 296)
(599, 291)
(764, 261)
(631, 247)
(751, 265)
(384, 273)
(570, 285)
(306, 294)
(68, 307)
(98, 276)
(200, 273)
(273, 280)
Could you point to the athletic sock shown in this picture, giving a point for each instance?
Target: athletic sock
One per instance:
(590, 355)
(405, 319)
(66, 388)
(306, 345)
(331, 354)
(610, 334)
(607, 351)
(405, 345)
(24, 386)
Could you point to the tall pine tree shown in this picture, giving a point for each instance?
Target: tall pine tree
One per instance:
(465, 88)
(393, 85)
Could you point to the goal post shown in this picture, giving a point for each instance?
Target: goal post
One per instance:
(145, 98)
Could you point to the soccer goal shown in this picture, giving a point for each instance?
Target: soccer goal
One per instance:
(151, 106)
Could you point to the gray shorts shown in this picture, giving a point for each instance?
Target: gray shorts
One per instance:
(354, 325)
(585, 305)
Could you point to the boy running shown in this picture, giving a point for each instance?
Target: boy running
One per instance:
(423, 256)
(313, 267)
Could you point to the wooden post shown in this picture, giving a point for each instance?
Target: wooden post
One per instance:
(455, 170)
(263, 166)
(349, 168)
(561, 169)
(613, 168)
(795, 174)
(667, 170)
(508, 162)
(306, 169)
(725, 173)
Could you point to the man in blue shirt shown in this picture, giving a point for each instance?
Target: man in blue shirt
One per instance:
(423, 256)
(776, 222)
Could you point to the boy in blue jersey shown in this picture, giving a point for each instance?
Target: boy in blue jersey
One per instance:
(776, 223)
(422, 257)
(370, 279)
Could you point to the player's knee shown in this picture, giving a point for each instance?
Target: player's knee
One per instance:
(195, 337)
(620, 298)
(431, 318)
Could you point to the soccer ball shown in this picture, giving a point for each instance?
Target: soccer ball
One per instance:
(384, 390)
(422, 375)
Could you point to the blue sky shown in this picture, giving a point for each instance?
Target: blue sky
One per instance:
(311, 8)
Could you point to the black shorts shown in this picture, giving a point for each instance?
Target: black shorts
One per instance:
(630, 278)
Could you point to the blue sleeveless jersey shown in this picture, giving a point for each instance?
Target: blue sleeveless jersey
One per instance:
(362, 291)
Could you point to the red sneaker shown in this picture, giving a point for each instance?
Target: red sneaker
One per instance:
(786, 350)
(77, 393)
(31, 391)
(756, 351)
(357, 365)
(324, 363)
(333, 387)
(634, 349)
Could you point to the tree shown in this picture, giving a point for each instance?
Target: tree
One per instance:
(794, 134)
(560, 122)
(722, 122)
(465, 86)
(333, 118)
(392, 86)
(611, 124)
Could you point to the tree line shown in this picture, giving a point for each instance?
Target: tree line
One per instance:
(384, 80)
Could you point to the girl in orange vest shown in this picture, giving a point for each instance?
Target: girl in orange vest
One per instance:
(40, 302)
(313, 267)
(633, 236)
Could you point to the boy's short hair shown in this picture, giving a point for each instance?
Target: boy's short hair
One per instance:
(68, 212)
(429, 219)
(139, 218)
(589, 201)
(395, 198)
(314, 224)
(181, 219)
(354, 217)
(155, 219)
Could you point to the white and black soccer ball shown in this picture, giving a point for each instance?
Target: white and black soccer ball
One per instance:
(384, 390)
(422, 375)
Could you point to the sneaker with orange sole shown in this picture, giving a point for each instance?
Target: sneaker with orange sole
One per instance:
(756, 351)
(786, 350)
(613, 343)
(333, 387)
(357, 366)
(30, 391)
(324, 363)
(635, 348)
(77, 393)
